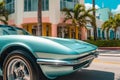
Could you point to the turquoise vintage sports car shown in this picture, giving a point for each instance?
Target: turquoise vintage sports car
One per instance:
(27, 57)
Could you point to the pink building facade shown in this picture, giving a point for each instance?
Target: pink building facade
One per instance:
(24, 15)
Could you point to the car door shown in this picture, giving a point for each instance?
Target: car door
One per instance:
(3, 32)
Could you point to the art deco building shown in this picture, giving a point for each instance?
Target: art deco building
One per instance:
(23, 13)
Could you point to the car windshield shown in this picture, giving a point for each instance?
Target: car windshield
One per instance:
(21, 32)
(8, 30)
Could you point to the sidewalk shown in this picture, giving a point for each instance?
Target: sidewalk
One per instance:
(113, 53)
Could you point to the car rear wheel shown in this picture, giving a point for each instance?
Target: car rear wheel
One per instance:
(20, 67)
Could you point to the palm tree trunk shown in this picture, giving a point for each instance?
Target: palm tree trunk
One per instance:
(39, 28)
(80, 31)
(63, 33)
(94, 22)
(107, 34)
(115, 34)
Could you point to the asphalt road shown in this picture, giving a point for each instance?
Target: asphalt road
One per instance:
(105, 67)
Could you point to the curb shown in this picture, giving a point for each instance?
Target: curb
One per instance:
(109, 48)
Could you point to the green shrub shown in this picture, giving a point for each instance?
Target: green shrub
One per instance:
(105, 43)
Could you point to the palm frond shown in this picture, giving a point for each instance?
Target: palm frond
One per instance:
(3, 21)
(79, 15)
(68, 14)
(3, 13)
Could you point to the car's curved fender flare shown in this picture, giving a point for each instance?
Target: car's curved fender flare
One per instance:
(5, 47)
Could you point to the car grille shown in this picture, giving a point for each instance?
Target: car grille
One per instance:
(85, 62)
(80, 65)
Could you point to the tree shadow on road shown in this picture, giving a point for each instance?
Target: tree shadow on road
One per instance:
(89, 75)
(86, 75)
(1, 78)
(118, 78)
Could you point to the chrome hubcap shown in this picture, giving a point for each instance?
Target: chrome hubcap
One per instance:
(18, 70)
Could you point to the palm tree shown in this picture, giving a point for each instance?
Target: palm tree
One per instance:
(117, 19)
(79, 16)
(116, 23)
(39, 28)
(3, 13)
(112, 23)
(94, 21)
(106, 27)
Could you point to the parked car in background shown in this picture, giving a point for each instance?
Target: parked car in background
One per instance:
(27, 57)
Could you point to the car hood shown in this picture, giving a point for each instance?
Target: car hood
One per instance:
(77, 45)
(47, 44)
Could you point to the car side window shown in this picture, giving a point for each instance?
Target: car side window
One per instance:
(9, 30)
(5, 32)
(1, 31)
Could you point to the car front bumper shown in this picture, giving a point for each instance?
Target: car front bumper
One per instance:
(56, 67)
(54, 62)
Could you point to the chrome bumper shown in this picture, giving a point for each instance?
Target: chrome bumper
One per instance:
(65, 62)
(58, 67)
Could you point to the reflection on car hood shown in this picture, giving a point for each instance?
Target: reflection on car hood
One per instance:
(78, 45)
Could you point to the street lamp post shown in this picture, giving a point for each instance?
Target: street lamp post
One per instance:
(39, 28)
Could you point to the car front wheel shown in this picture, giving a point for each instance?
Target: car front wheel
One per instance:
(19, 67)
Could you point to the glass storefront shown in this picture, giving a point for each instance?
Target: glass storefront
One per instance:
(68, 32)
(32, 28)
(63, 32)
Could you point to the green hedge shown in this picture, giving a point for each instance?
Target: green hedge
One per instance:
(105, 43)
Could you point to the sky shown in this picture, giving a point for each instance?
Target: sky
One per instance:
(114, 5)
(1, 0)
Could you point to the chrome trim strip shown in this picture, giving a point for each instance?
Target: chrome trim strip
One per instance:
(62, 56)
(64, 62)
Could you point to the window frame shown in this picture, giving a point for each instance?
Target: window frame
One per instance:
(63, 4)
(45, 7)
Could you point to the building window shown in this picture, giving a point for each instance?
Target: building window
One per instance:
(10, 6)
(99, 33)
(32, 5)
(89, 34)
(45, 5)
(68, 4)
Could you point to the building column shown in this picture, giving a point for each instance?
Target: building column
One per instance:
(19, 10)
(54, 30)
(76, 32)
(84, 34)
(54, 10)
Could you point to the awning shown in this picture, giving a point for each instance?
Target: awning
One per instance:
(64, 24)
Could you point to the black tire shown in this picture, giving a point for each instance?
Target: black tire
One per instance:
(19, 64)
